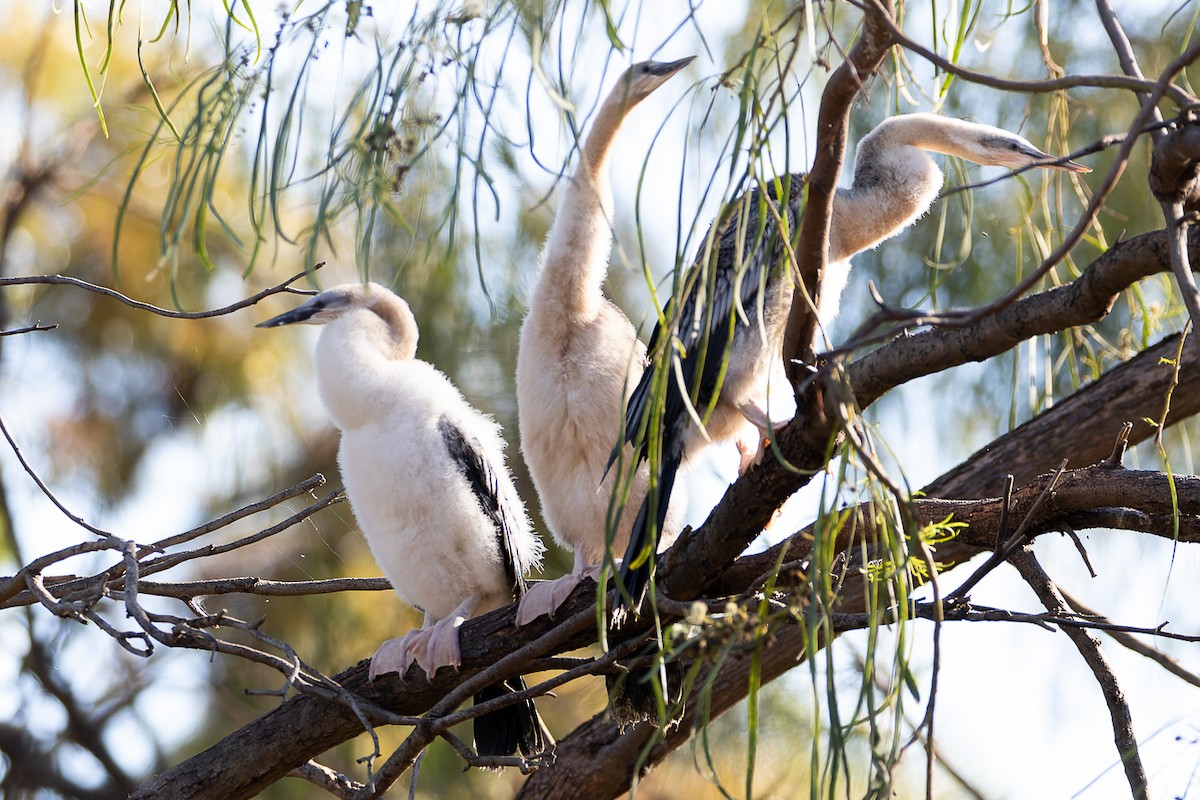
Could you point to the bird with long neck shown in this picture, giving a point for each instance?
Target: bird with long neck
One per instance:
(426, 478)
(578, 358)
(731, 318)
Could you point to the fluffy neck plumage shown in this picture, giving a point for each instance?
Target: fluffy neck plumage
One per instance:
(895, 182)
(575, 259)
(357, 357)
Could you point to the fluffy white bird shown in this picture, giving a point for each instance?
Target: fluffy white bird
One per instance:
(426, 478)
(578, 359)
(731, 317)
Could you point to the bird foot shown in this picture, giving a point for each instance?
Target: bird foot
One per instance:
(748, 457)
(758, 417)
(545, 597)
(442, 647)
(397, 655)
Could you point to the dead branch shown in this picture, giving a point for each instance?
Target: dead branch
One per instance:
(1089, 647)
(67, 280)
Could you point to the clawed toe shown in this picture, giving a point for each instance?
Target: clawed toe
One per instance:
(442, 648)
(397, 655)
(545, 597)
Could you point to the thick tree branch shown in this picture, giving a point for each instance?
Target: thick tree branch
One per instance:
(812, 249)
(1147, 497)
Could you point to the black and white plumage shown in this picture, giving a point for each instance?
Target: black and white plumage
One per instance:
(728, 327)
(578, 358)
(426, 477)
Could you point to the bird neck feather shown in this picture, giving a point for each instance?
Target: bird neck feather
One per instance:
(357, 357)
(398, 337)
(895, 182)
(604, 129)
(575, 258)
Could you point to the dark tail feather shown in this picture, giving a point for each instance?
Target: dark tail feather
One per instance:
(633, 699)
(637, 578)
(517, 727)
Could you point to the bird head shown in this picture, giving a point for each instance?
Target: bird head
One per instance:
(320, 309)
(644, 77)
(388, 318)
(998, 147)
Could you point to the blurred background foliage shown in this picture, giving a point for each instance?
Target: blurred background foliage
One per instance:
(420, 148)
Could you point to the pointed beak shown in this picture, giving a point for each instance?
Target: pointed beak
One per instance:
(666, 68)
(1058, 162)
(299, 314)
(1048, 161)
(1071, 166)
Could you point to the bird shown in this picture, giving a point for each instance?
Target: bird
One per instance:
(578, 358)
(725, 331)
(426, 477)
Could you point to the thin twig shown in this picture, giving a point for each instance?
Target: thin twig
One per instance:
(1001, 554)
(67, 280)
(46, 489)
(1089, 647)
(29, 329)
(1126, 639)
(325, 778)
(304, 487)
(1087, 562)
(1178, 95)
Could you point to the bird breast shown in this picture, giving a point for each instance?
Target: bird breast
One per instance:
(421, 520)
(571, 391)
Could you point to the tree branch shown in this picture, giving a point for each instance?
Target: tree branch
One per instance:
(1089, 648)
(812, 249)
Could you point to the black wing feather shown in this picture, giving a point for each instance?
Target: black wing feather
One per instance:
(749, 253)
(517, 727)
(467, 453)
(747, 245)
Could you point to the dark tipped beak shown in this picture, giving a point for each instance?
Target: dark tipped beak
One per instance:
(665, 68)
(1057, 162)
(1071, 166)
(298, 314)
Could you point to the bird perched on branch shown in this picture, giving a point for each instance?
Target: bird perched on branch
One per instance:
(726, 327)
(426, 478)
(578, 359)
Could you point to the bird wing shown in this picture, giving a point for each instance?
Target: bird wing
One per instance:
(730, 272)
(495, 503)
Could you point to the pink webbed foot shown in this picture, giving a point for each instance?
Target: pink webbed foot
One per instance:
(397, 655)
(442, 647)
(545, 597)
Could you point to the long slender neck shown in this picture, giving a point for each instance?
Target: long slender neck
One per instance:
(575, 258)
(895, 181)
